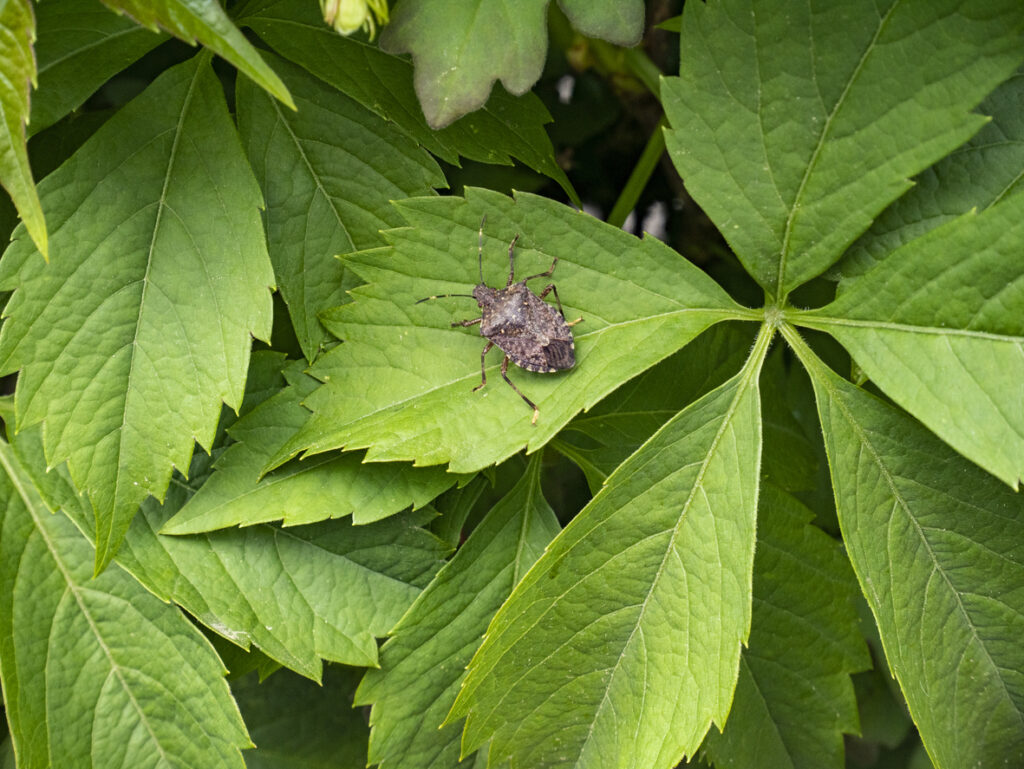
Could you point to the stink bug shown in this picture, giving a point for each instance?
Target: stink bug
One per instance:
(530, 332)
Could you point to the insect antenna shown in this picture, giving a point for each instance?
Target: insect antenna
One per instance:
(442, 296)
(480, 249)
(480, 264)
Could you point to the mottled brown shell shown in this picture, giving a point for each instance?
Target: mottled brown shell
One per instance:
(530, 331)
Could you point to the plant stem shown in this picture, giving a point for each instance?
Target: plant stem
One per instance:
(641, 175)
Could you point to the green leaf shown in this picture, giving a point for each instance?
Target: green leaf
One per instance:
(621, 644)
(302, 594)
(938, 548)
(424, 661)
(621, 23)
(298, 724)
(790, 461)
(939, 326)
(81, 46)
(205, 21)
(17, 72)
(238, 661)
(455, 507)
(496, 40)
(792, 130)
(603, 438)
(508, 127)
(794, 697)
(402, 384)
(132, 337)
(884, 719)
(329, 172)
(95, 671)
(986, 170)
(327, 486)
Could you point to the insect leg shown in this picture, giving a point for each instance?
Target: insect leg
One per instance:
(530, 403)
(548, 289)
(547, 274)
(511, 262)
(466, 323)
(483, 372)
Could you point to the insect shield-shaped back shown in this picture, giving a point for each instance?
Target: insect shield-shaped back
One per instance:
(530, 332)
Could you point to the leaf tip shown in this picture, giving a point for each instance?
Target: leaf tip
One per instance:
(42, 240)
(103, 558)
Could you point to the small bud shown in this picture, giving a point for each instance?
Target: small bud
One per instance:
(348, 16)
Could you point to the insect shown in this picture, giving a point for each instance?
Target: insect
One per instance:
(530, 332)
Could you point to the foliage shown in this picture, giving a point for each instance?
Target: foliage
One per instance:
(790, 449)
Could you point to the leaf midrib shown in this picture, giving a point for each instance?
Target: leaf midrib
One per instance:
(812, 163)
(748, 379)
(146, 285)
(669, 551)
(77, 52)
(725, 315)
(900, 503)
(822, 322)
(8, 461)
(310, 168)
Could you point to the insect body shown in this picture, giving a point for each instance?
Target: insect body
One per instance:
(530, 332)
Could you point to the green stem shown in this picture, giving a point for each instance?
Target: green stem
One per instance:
(646, 71)
(611, 60)
(641, 175)
(804, 353)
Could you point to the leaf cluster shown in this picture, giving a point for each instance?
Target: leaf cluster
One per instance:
(770, 518)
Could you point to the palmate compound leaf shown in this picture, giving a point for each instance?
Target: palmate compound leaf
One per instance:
(302, 595)
(304, 491)
(794, 125)
(81, 45)
(507, 127)
(17, 74)
(794, 697)
(423, 662)
(206, 21)
(402, 382)
(138, 329)
(97, 672)
(329, 172)
(621, 645)
(938, 548)
(496, 40)
(939, 326)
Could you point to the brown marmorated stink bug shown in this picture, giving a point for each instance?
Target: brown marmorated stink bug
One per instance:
(522, 325)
